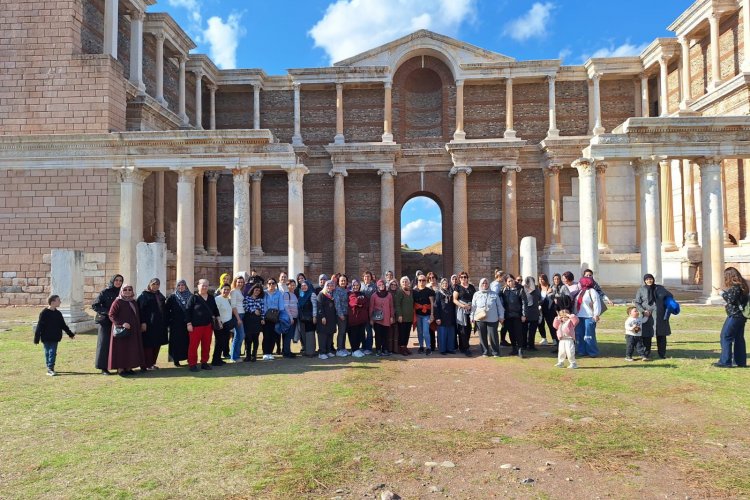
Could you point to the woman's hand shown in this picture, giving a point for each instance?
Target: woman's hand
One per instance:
(523, 319)
(400, 319)
(262, 322)
(596, 319)
(126, 325)
(189, 327)
(143, 327)
(341, 318)
(257, 312)
(315, 321)
(323, 321)
(437, 321)
(239, 322)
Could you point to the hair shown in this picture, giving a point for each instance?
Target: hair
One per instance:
(568, 276)
(234, 281)
(304, 278)
(543, 277)
(564, 303)
(256, 287)
(630, 309)
(342, 275)
(202, 279)
(463, 274)
(291, 282)
(529, 283)
(368, 272)
(586, 271)
(51, 299)
(226, 285)
(558, 275)
(498, 273)
(404, 278)
(733, 277)
(431, 275)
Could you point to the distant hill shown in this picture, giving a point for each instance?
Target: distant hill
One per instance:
(435, 248)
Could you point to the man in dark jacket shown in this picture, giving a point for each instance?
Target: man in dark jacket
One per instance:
(515, 304)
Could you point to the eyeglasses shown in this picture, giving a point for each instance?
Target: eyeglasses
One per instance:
(464, 277)
(421, 280)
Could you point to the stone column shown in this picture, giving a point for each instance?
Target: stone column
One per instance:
(712, 222)
(651, 211)
(213, 179)
(339, 220)
(181, 98)
(553, 177)
(159, 209)
(387, 214)
(688, 196)
(552, 132)
(296, 244)
(590, 85)
(667, 208)
(111, 30)
(639, 229)
(199, 249)
(727, 241)
(510, 133)
(746, 35)
(460, 219)
(685, 99)
(587, 202)
(339, 139)
(136, 50)
(645, 105)
(186, 225)
(746, 196)
(601, 200)
(199, 100)
(256, 242)
(241, 233)
(637, 103)
(509, 236)
(388, 115)
(663, 86)
(67, 269)
(212, 116)
(131, 217)
(256, 107)
(297, 137)
(459, 134)
(160, 69)
(713, 21)
(598, 128)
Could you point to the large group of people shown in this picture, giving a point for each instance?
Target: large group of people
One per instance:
(376, 316)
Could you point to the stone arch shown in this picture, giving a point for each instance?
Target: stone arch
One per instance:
(425, 48)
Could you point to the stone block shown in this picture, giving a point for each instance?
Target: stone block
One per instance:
(528, 257)
(151, 263)
(67, 282)
(9, 274)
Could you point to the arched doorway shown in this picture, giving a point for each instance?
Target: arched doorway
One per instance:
(421, 223)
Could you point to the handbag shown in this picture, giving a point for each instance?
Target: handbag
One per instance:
(377, 315)
(217, 325)
(272, 315)
(480, 314)
(120, 332)
(99, 318)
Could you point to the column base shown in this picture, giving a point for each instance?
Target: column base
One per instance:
(598, 130)
(256, 250)
(713, 300)
(339, 139)
(553, 133)
(200, 251)
(714, 85)
(140, 86)
(162, 101)
(459, 135)
(387, 137)
(669, 247)
(509, 134)
(213, 252)
(161, 238)
(297, 140)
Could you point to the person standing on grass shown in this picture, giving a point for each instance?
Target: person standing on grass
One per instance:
(633, 340)
(403, 303)
(565, 324)
(368, 288)
(153, 312)
(237, 299)
(359, 315)
(274, 308)
(49, 330)
(650, 301)
(736, 297)
(125, 352)
(179, 340)
(548, 311)
(308, 315)
(226, 315)
(393, 344)
(382, 315)
(104, 327)
(200, 314)
(291, 304)
(445, 318)
(424, 304)
(588, 311)
(533, 312)
(341, 299)
(487, 312)
(326, 319)
(515, 304)
(253, 304)
(463, 293)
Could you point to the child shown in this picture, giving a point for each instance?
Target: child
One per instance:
(565, 323)
(49, 330)
(633, 339)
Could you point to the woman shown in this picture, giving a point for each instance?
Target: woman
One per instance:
(326, 319)
(358, 316)
(533, 314)
(201, 313)
(514, 302)
(382, 315)
(649, 300)
(463, 293)
(104, 326)
(389, 276)
(733, 331)
(307, 305)
(179, 339)
(424, 302)
(392, 342)
(404, 305)
(254, 309)
(125, 352)
(341, 299)
(237, 300)
(589, 307)
(291, 304)
(445, 318)
(487, 311)
(228, 321)
(548, 310)
(274, 307)
(152, 309)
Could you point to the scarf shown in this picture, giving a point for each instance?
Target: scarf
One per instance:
(129, 300)
(112, 282)
(304, 297)
(182, 297)
(651, 289)
(325, 289)
(584, 284)
(381, 293)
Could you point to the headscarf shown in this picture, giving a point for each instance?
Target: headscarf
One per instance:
(446, 292)
(323, 277)
(325, 288)
(151, 282)
(182, 297)
(584, 284)
(112, 281)
(355, 280)
(484, 280)
(224, 278)
(393, 282)
(651, 289)
(120, 296)
(384, 293)
(304, 297)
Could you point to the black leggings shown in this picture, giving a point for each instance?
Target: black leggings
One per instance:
(381, 336)
(404, 332)
(515, 329)
(269, 337)
(356, 334)
(252, 335)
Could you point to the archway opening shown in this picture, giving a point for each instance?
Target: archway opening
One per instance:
(421, 236)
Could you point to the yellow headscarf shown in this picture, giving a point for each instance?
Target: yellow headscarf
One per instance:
(224, 279)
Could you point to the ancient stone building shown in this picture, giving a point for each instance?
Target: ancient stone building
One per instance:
(113, 133)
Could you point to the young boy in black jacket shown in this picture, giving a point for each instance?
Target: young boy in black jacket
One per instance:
(49, 330)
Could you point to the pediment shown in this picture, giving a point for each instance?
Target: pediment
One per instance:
(424, 42)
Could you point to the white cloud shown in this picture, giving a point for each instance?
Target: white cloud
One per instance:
(564, 54)
(533, 24)
(421, 233)
(194, 9)
(626, 49)
(223, 39)
(350, 27)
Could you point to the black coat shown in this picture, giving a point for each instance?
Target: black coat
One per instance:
(104, 302)
(656, 323)
(514, 302)
(178, 334)
(153, 312)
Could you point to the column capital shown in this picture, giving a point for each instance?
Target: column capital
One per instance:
(643, 76)
(131, 175)
(296, 173)
(388, 84)
(459, 82)
(136, 15)
(460, 170)
(553, 170)
(683, 40)
(185, 174)
(257, 176)
(213, 176)
(509, 80)
(160, 36)
(339, 87)
(708, 163)
(663, 61)
(199, 74)
(595, 77)
(585, 167)
(212, 87)
(645, 166)
(296, 86)
(551, 78)
(511, 169)
(601, 167)
(182, 59)
(338, 171)
(387, 171)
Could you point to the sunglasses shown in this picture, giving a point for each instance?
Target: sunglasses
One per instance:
(421, 280)
(271, 283)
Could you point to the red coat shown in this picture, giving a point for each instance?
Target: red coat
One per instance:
(359, 309)
(384, 304)
(125, 353)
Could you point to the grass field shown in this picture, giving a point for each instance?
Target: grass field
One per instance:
(346, 428)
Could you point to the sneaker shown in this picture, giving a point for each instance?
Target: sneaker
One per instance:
(628, 359)
(543, 342)
(206, 366)
(421, 350)
(554, 343)
(573, 366)
(367, 352)
(322, 356)
(51, 372)
(342, 353)
(560, 364)
(520, 353)
(268, 357)
(194, 368)
(428, 351)
(358, 354)
(505, 343)
(331, 354)
(386, 352)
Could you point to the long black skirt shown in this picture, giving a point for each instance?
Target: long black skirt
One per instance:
(178, 342)
(104, 331)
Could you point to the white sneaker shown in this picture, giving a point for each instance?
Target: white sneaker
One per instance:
(573, 366)
(543, 342)
(560, 365)
(358, 354)
(268, 357)
(322, 356)
(331, 354)
(367, 352)
(342, 353)
(51, 373)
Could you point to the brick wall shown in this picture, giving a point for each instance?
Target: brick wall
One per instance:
(317, 116)
(572, 102)
(618, 102)
(729, 38)
(484, 111)
(699, 68)
(673, 84)
(531, 110)
(92, 27)
(485, 194)
(234, 110)
(277, 113)
(733, 185)
(363, 114)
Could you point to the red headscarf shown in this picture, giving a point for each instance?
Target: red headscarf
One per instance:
(584, 284)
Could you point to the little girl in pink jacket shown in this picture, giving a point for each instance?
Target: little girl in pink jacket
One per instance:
(565, 323)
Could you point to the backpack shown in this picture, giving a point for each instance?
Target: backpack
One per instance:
(746, 307)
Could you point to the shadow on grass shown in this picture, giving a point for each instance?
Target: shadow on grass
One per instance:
(639, 365)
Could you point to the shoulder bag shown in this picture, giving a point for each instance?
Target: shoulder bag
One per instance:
(120, 332)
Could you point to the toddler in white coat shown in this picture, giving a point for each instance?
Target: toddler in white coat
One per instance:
(565, 323)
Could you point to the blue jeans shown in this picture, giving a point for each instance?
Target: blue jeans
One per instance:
(423, 330)
(586, 338)
(239, 336)
(447, 338)
(733, 332)
(367, 345)
(287, 339)
(50, 354)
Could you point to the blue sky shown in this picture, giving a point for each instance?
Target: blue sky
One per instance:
(279, 35)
